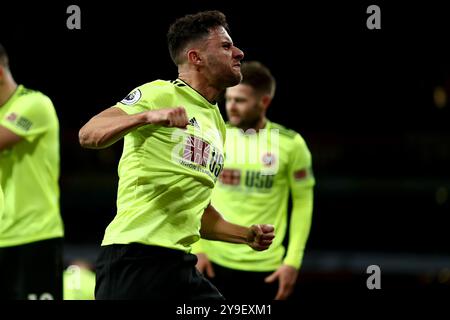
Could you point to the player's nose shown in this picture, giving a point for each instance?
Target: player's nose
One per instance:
(238, 54)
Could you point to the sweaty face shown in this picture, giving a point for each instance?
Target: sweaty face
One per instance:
(222, 59)
(244, 107)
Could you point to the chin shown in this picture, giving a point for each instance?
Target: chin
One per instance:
(234, 122)
(234, 80)
(239, 78)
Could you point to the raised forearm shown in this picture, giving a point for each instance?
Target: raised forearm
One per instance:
(8, 138)
(112, 124)
(108, 127)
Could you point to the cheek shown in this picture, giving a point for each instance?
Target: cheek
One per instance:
(253, 112)
(212, 61)
(245, 109)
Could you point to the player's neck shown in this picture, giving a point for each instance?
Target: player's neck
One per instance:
(7, 88)
(200, 85)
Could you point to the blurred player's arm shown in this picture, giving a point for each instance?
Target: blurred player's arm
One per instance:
(27, 119)
(301, 183)
(300, 224)
(8, 138)
(113, 124)
(214, 227)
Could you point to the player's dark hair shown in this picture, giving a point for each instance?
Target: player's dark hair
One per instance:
(190, 28)
(3, 56)
(259, 77)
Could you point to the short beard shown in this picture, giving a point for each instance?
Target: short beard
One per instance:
(233, 81)
(248, 123)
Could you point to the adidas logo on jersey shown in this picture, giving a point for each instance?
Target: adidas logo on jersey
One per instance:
(194, 123)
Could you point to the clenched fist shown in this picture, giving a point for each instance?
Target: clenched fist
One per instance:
(260, 236)
(168, 117)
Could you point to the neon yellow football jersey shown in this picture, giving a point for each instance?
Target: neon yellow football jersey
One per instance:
(261, 169)
(166, 175)
(29, 170)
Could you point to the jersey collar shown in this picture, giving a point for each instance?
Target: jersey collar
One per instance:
(196, 93)
(268, 125)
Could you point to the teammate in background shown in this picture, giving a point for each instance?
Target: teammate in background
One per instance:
(31, 228)
(172, 156)
(264, 162)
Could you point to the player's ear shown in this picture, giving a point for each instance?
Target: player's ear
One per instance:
(265, 101)
(194, 57)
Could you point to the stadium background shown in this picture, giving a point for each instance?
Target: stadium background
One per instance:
(372, 105)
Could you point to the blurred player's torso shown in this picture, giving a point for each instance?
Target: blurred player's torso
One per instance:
(254, 188)
(29, 171)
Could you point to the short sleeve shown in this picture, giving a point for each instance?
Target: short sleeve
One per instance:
(29, 116)
(134, 102)
(150, 96)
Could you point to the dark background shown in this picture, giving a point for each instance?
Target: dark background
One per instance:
(362, 99)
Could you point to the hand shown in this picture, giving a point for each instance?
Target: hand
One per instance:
(287, 278)
(204, 263)
(168, 117)
(260, 236)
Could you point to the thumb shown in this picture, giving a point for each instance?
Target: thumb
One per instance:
(272, 277)
(210, 270)
(266, 228)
